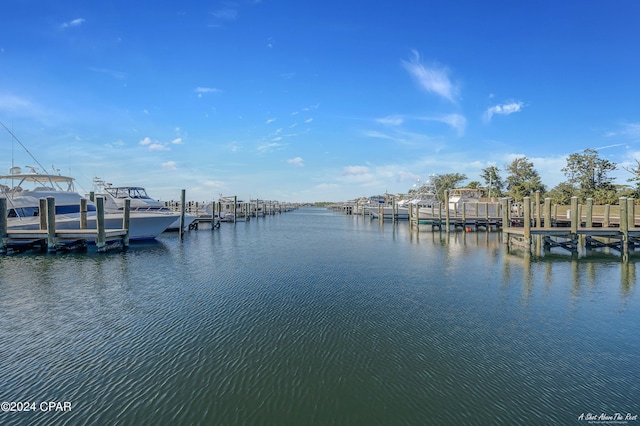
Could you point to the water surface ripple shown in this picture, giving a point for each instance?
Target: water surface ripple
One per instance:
(312, 317)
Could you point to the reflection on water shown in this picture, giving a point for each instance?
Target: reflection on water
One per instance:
(312, 317)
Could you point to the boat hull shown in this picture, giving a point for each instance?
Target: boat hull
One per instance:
(142, 226)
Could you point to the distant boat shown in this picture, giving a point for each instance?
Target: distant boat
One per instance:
(230, 212)
(24, 190)
(140, 202)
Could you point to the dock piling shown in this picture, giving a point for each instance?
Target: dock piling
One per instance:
(100, 223)
(42, 209)
(83, 213)
(538, 215)
(547, 213)
(182, 212)
(526, 201)
(575, 215)
(446, 210)
(51, 224)
(125, 221)
(3, 224)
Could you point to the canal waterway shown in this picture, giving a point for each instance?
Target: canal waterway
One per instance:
(316, 318)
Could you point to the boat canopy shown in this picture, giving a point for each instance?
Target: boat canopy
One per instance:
(41, 181)
(133, 192)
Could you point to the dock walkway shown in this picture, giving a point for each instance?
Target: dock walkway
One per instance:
(50, 239)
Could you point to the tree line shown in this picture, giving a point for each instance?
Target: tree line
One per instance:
(587, 173)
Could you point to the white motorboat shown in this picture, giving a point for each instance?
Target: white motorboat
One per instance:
(140, 202)
(232, 209)
(24, 190)
(388, 212)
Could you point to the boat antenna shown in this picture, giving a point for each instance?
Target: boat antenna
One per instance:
(23, 147)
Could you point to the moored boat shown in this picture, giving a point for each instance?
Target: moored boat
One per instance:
(24, 190)
(115, 197)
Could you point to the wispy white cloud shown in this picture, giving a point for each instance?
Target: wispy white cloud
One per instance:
(434, 79)
(297, 162)
(504, 109)
(631, 130)
(177, 141)
(270, 146)
(73, 23)
(169, 165)
(154, 145)
(391, 120)
(117, 144)
(158, 147)
(379, 135)
(355, 170)
(225, 14)
(12, 103)
(204, 90)
(213, 183)
(271, 120)
(457, 121)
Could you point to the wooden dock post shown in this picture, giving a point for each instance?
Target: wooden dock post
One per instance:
(102, 235)
(607, 211)
(589, 220)
(235, 209)
(505, 220)
(126, 219)
(538, 215)
(547, 213)
(3, 224)
(464, 216)
(446, 209)
(182, 212)
(526, 201)
(42, 209)
(624, 225)
(83, 213)
(51, 224)
(575, 215)
(631, 211)
(393, 209)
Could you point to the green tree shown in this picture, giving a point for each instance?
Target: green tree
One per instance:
(523, 179)
(561, 193)
(635, 179)
(447, 181)
(493, 181)
(589, 173)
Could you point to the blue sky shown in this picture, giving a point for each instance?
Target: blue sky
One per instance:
(315, 101)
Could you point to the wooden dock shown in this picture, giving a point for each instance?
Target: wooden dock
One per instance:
(50, 239)
(520, 223)
(620, 234)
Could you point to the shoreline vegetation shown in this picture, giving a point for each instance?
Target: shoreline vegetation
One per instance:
(587, 173)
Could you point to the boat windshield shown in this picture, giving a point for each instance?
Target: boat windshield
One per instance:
(128, 192)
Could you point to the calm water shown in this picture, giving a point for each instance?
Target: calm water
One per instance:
(312, 317)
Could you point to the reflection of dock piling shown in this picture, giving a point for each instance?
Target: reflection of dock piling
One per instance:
(51, 239)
